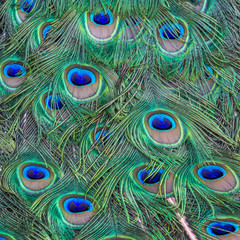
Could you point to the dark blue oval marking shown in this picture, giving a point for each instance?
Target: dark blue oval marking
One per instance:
(211, 173)
(161, 122)
(77, 205)
(14, 70)
(35, 173)
(102, 19)
(81, 77)
(103, 135)
(53, 102)
(222, 228)
(171, 31)
(46, 31)
(27, 5)
(147, 176)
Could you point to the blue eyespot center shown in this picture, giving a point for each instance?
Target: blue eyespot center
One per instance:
(77, 205)
(73, 207)
(211, 172)
(171, 31)
(55, 38)
(222, 228)
(14, 70)
(81, 77)
(161, 122)
(2, 238)
(149, 176)
(102, 19)
(102, 135)
(35, 173)
(46, 31)
(208, 73)
(27, 5)
(80, 80)
(53, 102)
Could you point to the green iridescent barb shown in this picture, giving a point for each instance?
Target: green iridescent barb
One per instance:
(119, 119)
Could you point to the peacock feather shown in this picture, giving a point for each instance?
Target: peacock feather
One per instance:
(120, 119)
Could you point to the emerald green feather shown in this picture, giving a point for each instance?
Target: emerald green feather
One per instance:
(119, 119)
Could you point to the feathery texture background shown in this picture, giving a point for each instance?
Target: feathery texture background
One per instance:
(119, 119)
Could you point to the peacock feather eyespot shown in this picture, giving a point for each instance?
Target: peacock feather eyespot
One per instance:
(81, 77)
(101, 136)
(171, 31)
(6, 237)
(164, 128)
(145, 176)
(25, 7)
(211, 173)
(217, 229)
(54, 106)
(161, 122)
(216, 176)
(14, 70)
(35, 173)
(53, 102)
(224, 227)
(83, 82)
(173, 37)
(36, 177)
(44, 30)
(77, 209)
(13, 74)
(77, 205)
(102, 18)
(102, 26)
(150, 180)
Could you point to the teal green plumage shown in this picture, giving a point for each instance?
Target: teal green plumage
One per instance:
(119, 119)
